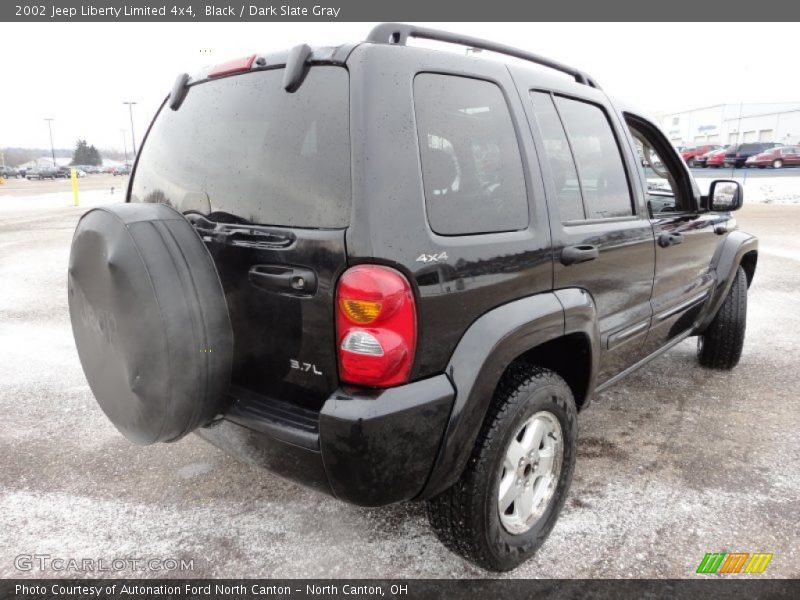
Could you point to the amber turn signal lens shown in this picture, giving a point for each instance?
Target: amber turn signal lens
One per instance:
(360, 311)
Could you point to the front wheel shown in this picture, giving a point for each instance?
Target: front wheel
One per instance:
(777, 164)
(509, 496)
(720, 345)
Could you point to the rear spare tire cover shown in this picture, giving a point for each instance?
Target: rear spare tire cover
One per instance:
(150, 320)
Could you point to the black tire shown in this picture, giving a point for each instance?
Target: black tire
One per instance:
(720, 345)
(150, 321)
(465, 517)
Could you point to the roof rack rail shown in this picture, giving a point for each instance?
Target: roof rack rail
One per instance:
(398, 34)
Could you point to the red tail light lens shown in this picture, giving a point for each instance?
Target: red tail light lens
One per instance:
(376, 326)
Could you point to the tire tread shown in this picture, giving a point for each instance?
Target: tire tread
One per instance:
(452, 514)
(720, 345)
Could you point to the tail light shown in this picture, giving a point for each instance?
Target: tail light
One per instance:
(376, 326)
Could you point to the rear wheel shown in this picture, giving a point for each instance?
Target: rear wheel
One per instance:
(777, 164)
(509, 496)
(720, 345)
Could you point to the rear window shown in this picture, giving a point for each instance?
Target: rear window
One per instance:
(243, 146)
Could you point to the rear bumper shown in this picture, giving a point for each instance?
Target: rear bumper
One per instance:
(367, 447)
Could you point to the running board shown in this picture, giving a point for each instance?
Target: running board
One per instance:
(622, 374)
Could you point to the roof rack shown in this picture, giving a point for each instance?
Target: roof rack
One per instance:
(398, 33)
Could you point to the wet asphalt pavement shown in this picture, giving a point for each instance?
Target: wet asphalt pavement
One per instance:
(674, 462)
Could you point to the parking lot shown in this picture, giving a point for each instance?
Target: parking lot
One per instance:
(674, 462)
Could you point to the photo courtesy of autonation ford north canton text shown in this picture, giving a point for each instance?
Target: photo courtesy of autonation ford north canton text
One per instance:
(368, 299)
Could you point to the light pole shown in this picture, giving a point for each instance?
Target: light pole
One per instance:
(133, 137)
(52, 148)
(124, 146)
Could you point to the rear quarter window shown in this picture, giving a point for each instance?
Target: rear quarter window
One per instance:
(243, 147)
(471, 163)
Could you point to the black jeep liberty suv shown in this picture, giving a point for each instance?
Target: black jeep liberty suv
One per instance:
(393, 273)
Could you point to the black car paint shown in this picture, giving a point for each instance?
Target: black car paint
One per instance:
(497, 296)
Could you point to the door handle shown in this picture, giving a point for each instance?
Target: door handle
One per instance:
(290, 281)
(670, 239)
(577, 254)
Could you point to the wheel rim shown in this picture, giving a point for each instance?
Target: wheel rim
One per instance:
(777, 164)
(530, 472)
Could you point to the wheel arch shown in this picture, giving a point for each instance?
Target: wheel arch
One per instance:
(738, 249)
(748, 263)
(544, 327)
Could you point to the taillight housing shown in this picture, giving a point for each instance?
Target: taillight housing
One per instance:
(376, 326)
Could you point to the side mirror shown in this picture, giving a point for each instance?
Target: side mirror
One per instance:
(725, 195)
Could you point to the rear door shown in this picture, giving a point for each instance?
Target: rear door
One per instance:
(264, 176)
(602, 239)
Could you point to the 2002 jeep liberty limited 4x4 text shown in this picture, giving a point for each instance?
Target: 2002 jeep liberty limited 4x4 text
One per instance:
(394, 273)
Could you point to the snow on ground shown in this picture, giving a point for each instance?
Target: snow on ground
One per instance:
(62, 199)
(760, 190)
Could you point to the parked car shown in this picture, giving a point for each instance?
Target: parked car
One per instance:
(124, 170)
(716, 159)
(42, 173)
(700, 161)
(66, 172)
(736, 156)
(692, 155)
(403, 308)
(782, 156)
(8, 172)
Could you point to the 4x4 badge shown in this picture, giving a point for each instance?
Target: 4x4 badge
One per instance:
(432, 258)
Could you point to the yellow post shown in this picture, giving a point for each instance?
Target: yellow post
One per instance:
(73, 174)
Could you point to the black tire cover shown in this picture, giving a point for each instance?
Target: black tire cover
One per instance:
(150, 320)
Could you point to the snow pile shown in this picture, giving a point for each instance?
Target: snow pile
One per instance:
(757, 190)
(762, 190)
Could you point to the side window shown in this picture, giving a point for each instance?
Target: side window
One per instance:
(559, 156)
(662, 173)
(471, 164)
(604, 182)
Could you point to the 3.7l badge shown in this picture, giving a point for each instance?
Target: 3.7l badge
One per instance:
(304, 366)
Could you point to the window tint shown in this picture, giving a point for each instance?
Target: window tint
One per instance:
(471, 164)
(603, 179)
(559, 157)
(241, 145)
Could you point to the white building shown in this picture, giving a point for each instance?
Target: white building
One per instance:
(728, 124)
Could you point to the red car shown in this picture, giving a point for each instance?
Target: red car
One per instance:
(782, 156)
(690, 155)
(716, 159)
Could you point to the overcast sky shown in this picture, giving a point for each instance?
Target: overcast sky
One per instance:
(80, 73)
